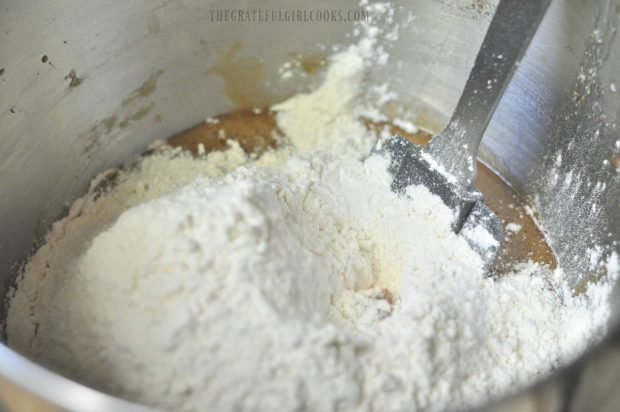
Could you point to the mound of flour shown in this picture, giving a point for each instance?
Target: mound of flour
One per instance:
(298, 281)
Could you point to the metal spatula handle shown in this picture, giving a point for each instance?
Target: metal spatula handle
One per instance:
(512, 28)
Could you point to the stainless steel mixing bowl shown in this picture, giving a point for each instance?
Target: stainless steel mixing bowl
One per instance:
(85, 86)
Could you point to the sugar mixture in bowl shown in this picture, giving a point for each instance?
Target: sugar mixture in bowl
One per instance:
(261, 262)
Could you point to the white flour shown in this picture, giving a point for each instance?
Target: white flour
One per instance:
(298, 281)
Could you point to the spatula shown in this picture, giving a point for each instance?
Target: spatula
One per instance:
(447, 165)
